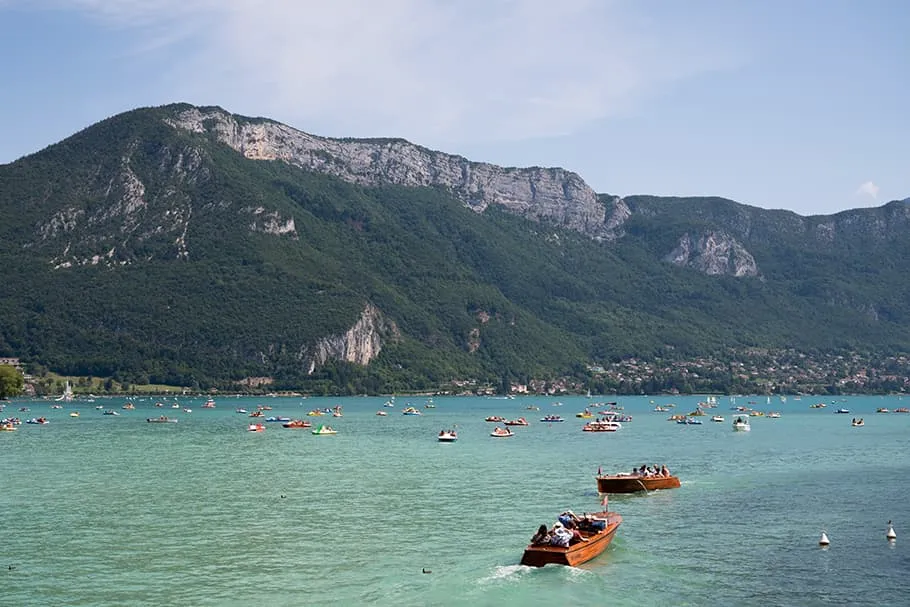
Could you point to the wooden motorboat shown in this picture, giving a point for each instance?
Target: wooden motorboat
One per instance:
(297, 423)
(516, 422)
(632, 483)
(598, 529)
(162, 419)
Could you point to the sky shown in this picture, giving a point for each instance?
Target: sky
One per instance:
(780, 104)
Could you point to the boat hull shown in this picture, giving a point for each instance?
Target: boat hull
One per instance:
(576, 554)
(634, 484)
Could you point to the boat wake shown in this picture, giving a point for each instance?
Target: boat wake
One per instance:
(506, 572)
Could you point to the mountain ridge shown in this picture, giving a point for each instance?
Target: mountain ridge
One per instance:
(217, 248)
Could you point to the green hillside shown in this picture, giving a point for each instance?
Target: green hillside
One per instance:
(488, 297)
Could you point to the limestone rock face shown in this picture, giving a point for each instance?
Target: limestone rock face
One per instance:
(359, 345)
(550, 194)
(714, 253)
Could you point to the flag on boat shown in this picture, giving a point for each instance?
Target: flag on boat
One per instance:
(599, 471)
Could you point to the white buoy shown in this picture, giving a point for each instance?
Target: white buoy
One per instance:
(891, 535)
(824, 541)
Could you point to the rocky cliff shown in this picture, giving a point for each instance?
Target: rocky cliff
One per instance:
(713, 253)
(550, 194)
(360, 344)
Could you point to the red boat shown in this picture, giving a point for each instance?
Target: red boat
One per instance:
(598, 529)
(297, 423)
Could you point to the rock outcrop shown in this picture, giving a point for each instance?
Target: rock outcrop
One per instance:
(359, 345)
(714, 253)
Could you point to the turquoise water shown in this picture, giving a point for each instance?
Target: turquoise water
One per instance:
(104, 510)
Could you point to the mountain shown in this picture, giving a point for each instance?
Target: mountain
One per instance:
(187, 245)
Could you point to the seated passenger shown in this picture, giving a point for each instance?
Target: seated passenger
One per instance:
(560, 536)
(542, 537)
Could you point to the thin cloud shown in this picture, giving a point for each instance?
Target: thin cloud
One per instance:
(432, 71)
(868, 189)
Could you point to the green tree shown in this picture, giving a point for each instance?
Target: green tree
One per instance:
(11, 381)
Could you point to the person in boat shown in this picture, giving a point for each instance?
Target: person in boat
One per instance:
(572, 527)
(560, 536)
(664, 471)
(542, 537)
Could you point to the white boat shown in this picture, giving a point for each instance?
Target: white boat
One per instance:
(741, 424)
(717, 418)
(447, 436)
(501, 432)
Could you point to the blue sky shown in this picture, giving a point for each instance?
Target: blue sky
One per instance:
(799, 104)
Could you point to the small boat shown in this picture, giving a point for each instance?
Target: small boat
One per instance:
(315, 413)
(601, 426)
(209, 404)
(447, 436)
(277, 418)
(774, 415)
(324, 430)
(161, 419)
(585, 414)
(741, 424)
(532, 408)
(382, 413)
(128, 406)
(597, 530)
(717, 418)
(187, 410)
(74, 414)
(255, 428)
(410, 411)
(297, 423)
(110, 412)
(241, 410)
(501, 432)
(843, 411)
(257, 413)
(882, 410)
(551, 418)
(517, 422)
(818, 406)
(856, 423)
(659, 409)
(495, 418)
(633, 483)
(902, 410)
(37, 420)
(8, 427)
(689, 421)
